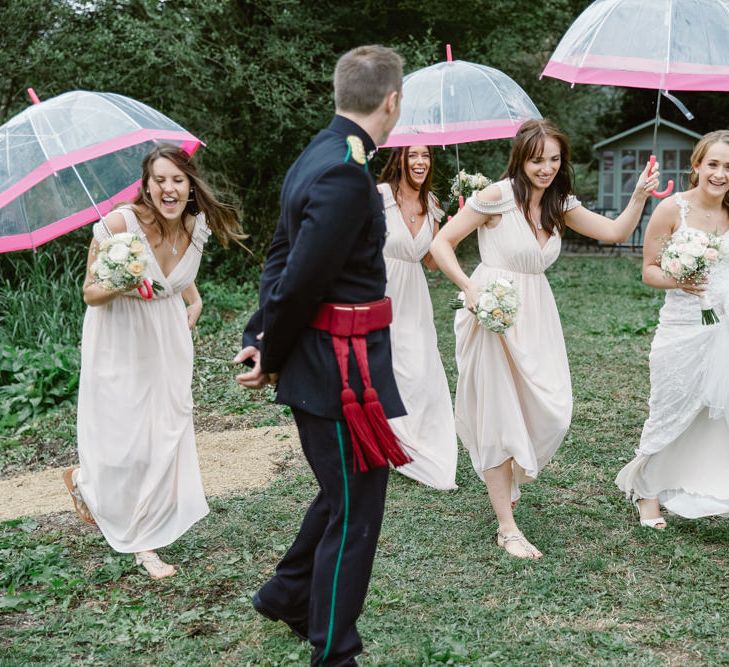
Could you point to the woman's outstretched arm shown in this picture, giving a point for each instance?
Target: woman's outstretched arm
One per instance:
(602, 228)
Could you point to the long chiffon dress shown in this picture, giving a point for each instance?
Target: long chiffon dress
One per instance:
(139, 471)
(428, 431)
(683, 457)
(514, 393)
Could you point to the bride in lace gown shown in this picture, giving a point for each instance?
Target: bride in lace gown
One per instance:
(683, 459)
(139, 479)
(514, 395)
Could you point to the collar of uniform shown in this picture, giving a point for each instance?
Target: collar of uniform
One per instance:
(345, 127)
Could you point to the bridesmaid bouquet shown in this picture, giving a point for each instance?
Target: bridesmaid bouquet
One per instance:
(120, 264)
(497, 307)
(688, 256)
(464, 184)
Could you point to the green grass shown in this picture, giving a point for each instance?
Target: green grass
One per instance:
(606, 592)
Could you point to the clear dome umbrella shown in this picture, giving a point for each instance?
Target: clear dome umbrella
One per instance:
(67, 161)
(457, 102)
(661, 44)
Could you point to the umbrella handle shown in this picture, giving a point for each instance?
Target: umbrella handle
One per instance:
(669, 186)
(145, 289)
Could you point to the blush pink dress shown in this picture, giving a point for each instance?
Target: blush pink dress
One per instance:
(139, 469)
(428, 431)
(514, 394)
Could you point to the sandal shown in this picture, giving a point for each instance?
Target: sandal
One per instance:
(530, 551)
(657, 522)
(80, 506)
(155, 566)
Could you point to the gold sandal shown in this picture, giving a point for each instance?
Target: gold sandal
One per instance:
(532, 552)
(155, 566)
(80, 506)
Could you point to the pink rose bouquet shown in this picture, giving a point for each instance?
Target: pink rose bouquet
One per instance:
(688, 257)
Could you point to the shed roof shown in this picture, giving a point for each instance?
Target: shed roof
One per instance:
(643, 126)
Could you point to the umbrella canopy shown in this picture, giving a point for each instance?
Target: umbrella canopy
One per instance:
(455, 102)
(67, 161)
(663, 44)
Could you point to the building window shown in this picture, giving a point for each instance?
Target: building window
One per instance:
(607, 164)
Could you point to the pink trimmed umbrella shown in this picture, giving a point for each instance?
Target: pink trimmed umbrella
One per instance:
(456, 102)
(67, 161)
(661, 44)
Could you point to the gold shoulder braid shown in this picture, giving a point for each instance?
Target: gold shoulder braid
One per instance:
(355, 148)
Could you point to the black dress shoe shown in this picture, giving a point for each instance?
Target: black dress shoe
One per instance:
(299, 628)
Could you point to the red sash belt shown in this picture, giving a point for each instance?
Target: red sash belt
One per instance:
(373, 442)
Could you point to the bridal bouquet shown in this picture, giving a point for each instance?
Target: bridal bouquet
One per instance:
(120, 264)
(497, 306)
(464, 184)
(687, 257)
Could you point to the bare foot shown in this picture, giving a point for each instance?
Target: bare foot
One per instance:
(515, 544)
(154, 565)
(650, 514)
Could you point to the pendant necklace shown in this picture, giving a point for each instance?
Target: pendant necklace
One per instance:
(174, 245)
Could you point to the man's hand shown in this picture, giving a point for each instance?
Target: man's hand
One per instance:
(255, 378)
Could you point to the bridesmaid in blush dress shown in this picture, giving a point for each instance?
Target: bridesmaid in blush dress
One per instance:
(514, 394)
(412, 214)
(139, 479)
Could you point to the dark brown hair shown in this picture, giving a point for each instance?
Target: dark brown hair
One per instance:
(528, 143)
(700, 151)
(221, 218)
(396, 167)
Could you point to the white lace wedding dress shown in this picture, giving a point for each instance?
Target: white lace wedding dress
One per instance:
(683, 458)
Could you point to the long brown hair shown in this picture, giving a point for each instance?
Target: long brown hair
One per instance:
(396, 167)
(700, 151)
(529, 142)
(221, 218)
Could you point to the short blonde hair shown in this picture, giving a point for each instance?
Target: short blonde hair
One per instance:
(364, 76)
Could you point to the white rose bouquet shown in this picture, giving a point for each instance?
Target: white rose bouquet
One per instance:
(465, 184)
(120, 264)
(687, 257)
(498, 305)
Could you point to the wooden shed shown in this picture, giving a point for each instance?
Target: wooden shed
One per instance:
(622, 157)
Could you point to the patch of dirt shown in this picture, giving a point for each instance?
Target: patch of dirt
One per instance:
(231, 462)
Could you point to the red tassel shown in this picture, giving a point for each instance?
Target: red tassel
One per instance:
(389, 444)
(364, 449)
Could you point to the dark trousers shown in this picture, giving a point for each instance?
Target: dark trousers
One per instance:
(323, 578)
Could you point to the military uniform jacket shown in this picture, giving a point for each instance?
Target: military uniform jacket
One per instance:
(327, 247)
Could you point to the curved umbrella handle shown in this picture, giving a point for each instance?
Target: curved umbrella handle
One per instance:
(146, 290)
(669, 186)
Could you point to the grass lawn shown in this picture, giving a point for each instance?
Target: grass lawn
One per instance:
(606, 592)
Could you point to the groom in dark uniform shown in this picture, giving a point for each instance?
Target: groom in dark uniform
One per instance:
(321, 334)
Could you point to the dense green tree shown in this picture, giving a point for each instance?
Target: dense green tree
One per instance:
(252, 78)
